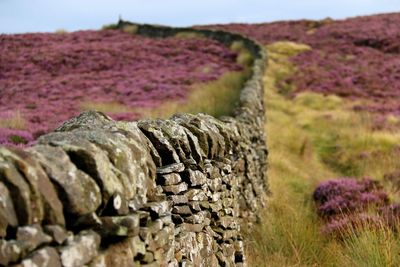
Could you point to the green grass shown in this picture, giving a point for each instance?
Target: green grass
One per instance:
(189, 35)
(216, 98)
(312, 138)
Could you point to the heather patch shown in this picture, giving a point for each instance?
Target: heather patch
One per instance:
(348, 205)
(357, 58)
(47, 78)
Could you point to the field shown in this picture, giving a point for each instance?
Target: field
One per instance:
(356, 59)
(333, 119)
(48, 78)
(332, 91)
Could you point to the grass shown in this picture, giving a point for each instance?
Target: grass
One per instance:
(312, 138)
(106, 107)
(16, 121)
(216, 98)
(189, 35)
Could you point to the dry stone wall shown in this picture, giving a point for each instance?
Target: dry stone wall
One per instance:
(175, 192)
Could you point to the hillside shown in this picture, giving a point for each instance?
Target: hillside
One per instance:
(356, 58)
(182, 190)
(332, 100)
(47, 78)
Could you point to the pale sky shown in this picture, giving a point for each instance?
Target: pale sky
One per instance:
(18, 16)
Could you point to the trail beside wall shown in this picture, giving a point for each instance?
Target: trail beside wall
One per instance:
(98, 192)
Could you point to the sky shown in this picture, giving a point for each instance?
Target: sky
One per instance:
(19, 16)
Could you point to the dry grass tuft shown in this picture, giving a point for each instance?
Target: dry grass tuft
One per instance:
(16, 121)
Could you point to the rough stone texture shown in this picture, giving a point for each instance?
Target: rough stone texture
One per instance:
(149, 193)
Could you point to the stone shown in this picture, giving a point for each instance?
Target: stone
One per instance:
(80, 192)
(162, 144)
(193, 227)
(117, 205)
(177, 137)
(28, 206)
(93, 160)
(119, 226)
(32, 236)
(8, 217)
(171, 168)
(201, 146)
(118, 254)
(228, 222)
(148, 257)
(169, 179)
(160, 208)
(40, 184)
(57, 233)
(10, 251)
(195, 178)
(215, 185)
(80, 249)
(44, 257)
(182, 210)
(178, 199)
(176, 189)
(138, 246)
(196, 195)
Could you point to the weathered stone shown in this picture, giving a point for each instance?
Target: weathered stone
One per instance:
(216, 141)
(178, 199)
(93, 160)
(138, 246)
(145, 234)
(193, 227)
(40, 184)
(176, 189)
(120, 225)
(162, 239)
(182, 210)
(215, 185)
(198, 206)
(177, 137)
(228, 222)
(163, 146)
(160, 208)
(80, 249)
(196, 195)
(7, 212)
(169, 179)
(175, 167)
(86, 221)
(10, 251)
(57, 233)
(45, 257)
(117, 205)
(215, 207)
(32, 236)
(27, 205)
(80, 192)
(195, 178)
(177, 219)
(148, 257)
(85, 120)
(201, 136)
(119, 254)
(202, 217)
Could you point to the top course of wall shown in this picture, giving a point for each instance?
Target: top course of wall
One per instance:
(174, 192)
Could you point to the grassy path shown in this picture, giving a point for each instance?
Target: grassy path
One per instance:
(312, 138)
